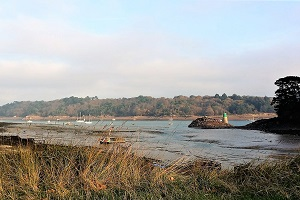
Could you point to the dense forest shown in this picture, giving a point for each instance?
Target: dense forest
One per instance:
(141, 106)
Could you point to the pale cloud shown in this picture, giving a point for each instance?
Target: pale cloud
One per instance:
(45, 58)
(31, 74)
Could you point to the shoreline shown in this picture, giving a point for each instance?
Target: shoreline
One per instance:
(235, 117)
(274, 125)
(77, 135)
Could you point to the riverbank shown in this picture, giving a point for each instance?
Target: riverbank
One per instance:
(167, 140)
(72, 172)
(145, 118)
(274, 125)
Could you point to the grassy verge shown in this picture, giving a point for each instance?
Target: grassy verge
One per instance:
(65, 172)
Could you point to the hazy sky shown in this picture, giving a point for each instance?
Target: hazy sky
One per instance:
(51, 49)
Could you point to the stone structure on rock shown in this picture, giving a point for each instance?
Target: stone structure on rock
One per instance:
(209, 123)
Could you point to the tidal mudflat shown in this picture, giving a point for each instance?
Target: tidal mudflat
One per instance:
(167, 141)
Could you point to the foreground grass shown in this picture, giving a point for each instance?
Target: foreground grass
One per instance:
(60, 172)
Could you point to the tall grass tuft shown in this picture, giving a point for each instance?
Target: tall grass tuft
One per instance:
(268, 180)
(68, 172)
(52, 171)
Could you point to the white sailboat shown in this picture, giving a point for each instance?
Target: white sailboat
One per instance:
(171, 121)
(252, 120)
(89, 120)
(80, 120)
(28, 119)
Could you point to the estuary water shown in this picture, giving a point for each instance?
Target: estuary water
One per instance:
(172, 140)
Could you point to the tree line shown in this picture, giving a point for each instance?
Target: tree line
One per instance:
(141, 106)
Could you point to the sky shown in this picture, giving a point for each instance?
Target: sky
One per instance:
(53, 49)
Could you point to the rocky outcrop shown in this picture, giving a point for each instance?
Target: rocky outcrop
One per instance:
(274, 125)
(208, 123)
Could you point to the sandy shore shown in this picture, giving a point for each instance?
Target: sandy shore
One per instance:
(53, 134)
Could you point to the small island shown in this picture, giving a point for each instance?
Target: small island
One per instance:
(211, 123)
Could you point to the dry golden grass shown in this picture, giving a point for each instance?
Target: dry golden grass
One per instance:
(67, 172)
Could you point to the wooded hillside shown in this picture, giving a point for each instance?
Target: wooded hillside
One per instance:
(141, 106)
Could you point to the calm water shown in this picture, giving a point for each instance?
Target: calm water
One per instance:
(170, 140)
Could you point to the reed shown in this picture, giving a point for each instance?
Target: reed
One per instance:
(68, 172)
(270, 180)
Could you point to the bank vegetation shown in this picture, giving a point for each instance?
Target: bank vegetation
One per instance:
(67, 172)
(141, 106)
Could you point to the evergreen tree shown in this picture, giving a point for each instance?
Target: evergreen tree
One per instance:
(287, 99)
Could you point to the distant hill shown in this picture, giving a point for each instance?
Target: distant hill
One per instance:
(141, 105)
